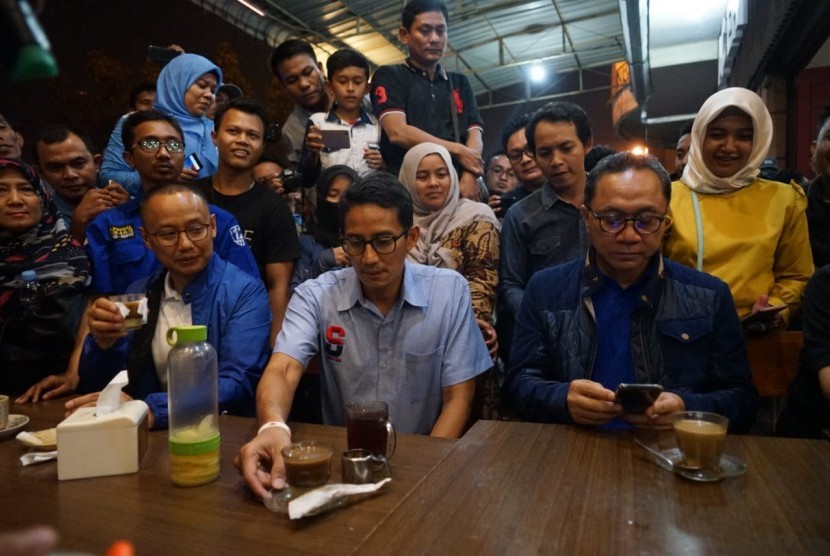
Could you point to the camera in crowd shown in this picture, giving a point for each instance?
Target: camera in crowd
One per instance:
(292, 180)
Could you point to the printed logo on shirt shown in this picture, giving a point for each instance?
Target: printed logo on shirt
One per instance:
(237, 236)
(380, 94)
(334, 342)
(459, 104)
(122, 232)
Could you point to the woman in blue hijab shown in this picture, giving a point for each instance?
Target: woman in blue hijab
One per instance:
(185, 90)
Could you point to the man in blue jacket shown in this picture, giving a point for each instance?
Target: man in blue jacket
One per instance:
(626, 315)
(194, 286)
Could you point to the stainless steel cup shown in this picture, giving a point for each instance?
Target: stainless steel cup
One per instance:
(360, 466)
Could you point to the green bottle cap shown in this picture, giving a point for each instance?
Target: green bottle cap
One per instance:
(182, 334)
(33, 62)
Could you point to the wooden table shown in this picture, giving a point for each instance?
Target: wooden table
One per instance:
(521, 488)
(220, 518)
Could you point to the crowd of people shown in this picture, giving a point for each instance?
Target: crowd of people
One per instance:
(382, 248)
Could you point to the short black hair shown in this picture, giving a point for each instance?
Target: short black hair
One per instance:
(58, 133)
(346, 58)
(686, 129)
(416, 7)
(514, 125)
(489, 161)
(596, 154)
(246, 105)
(169, 189)
(378, 188)
(273, 158)
(289, 49)
(138, 89)
(561, 111)
(137, 118)
(619, 163)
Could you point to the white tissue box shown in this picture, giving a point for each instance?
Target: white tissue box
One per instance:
(97, 446)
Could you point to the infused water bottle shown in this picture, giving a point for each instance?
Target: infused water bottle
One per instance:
(193, 404)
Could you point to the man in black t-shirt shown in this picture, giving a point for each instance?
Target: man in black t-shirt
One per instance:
(265, 219)
(418, 101)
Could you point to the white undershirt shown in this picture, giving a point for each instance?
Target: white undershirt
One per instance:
(172, 312)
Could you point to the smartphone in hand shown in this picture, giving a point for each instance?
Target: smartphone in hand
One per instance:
(194, 163)
(636, 398)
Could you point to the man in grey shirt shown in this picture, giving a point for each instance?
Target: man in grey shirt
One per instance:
(296, 66)
(545, 228)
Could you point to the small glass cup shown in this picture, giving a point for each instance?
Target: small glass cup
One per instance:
(307, 466)
(133, 307)
(701, 437)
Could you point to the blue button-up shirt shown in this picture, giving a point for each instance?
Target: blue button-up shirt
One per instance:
(427, 341)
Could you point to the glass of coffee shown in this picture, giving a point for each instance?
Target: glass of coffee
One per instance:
(368, 427)
(307, 464)
(133, 307)
(701, 437)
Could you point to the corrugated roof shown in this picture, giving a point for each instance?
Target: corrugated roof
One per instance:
(493, 42)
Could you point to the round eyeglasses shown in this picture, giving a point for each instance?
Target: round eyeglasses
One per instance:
(644, 224)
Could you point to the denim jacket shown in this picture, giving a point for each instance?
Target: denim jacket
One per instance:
(686, 336)
(538, 232)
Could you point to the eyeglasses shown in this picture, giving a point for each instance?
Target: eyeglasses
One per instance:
(383, 245)
(644, 224)
(194, 232)
(152, 145)
(498, 170)
(516, 156)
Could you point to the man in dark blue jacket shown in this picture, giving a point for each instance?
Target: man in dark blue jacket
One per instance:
(195, 286)
(626, 315)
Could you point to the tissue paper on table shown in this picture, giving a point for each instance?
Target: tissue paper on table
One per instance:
(110, 398)
(331, 496)
(38, 457)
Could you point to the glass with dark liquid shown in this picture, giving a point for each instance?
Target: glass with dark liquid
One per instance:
(368, 427)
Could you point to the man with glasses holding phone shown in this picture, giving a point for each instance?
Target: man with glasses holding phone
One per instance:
(624, 314)
(387, 329)
(193, 285)
(155, 149)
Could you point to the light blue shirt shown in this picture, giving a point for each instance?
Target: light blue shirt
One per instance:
(427, 341)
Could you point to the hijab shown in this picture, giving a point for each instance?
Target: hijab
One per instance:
(173, 82)
(435, 225)
(696, 175)
(326, 213)
(47, 248)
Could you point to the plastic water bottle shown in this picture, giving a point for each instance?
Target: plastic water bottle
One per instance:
(193, 407)
(25, 53)
(30, 294)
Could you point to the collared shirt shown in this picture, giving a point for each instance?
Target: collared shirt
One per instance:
(173, 311)
(293, 133)
(427, 341)
(539, 231)
(426, 103)
(362, 132)
(119, 256)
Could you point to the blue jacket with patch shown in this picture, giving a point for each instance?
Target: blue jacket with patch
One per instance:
(685, 336)
(232, 304)
(119, 256)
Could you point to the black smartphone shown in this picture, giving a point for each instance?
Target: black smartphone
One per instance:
(161, 54)
(504, 204)
(194, 162)
(335, 139)
(636, 398)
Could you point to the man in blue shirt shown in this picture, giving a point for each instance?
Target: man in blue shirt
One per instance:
(193, 286)
(388, 329)
(155, 148)
(625, 314)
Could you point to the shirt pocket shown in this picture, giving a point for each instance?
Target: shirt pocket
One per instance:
(686, 346)
(129, 253)
(422, 375)
(542, 248)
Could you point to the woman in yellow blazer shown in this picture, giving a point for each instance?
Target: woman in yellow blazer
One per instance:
(749, 232)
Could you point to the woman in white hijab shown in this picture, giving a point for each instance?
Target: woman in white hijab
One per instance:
(455, 233)
(749, 232)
